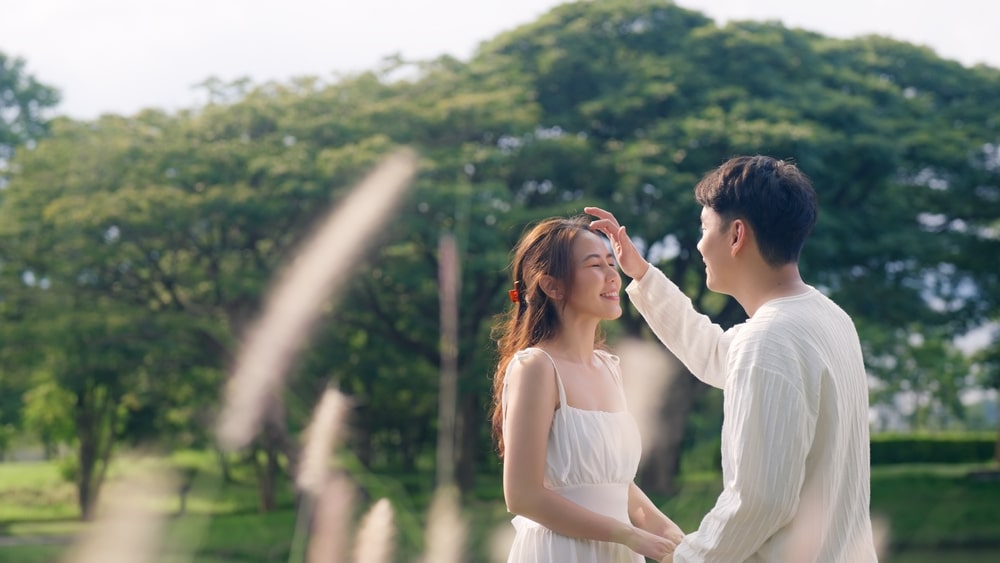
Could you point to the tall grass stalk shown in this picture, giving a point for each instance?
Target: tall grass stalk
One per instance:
(446, 529)
(331, 526)
(321, 438)
(291, 308)
(129, 525)
(376, 535)
(647, 371)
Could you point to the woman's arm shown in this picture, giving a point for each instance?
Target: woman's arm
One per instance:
(532, 397)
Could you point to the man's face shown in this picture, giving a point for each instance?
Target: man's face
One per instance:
(715, 249)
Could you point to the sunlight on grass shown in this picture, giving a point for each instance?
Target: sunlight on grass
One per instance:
(34, 491)
(927, 505)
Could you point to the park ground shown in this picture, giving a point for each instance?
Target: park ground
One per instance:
(930, 513)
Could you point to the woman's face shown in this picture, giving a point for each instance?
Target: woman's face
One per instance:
(596, 280)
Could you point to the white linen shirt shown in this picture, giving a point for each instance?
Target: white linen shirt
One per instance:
(795, 443)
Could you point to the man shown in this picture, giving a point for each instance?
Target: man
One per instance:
(795, 444)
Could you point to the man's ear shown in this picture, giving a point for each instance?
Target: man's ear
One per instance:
(551, 287)
(739, 236)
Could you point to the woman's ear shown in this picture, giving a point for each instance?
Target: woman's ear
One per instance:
(551, 287)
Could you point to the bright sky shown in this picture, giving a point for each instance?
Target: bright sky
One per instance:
(119, 56)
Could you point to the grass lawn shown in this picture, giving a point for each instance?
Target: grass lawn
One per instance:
(933, 513)
(933, 506)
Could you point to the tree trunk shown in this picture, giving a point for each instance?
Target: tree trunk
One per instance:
(277, 429)
(220, 457)
(467, 441)
(85, 471)
(51, 449)
(96, 443)
(273, 442)
(663, 458)
(266, 475)
(362, 436)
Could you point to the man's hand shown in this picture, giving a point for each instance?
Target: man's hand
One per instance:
(632, 263)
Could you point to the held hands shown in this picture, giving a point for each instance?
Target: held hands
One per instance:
(661, 526)
(631, 262)
(671, 531)
(649, 545)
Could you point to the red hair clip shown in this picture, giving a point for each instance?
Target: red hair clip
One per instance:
(514, 294)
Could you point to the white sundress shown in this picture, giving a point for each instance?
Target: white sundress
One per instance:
(592, 458)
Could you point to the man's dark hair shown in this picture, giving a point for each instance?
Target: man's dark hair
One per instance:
(773, 196)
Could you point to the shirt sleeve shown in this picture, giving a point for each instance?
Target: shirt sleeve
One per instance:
(767, 434)
(701, 345)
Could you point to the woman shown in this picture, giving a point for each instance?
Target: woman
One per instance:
(570, 448)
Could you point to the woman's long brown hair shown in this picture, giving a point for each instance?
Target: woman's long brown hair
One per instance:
(545, 250)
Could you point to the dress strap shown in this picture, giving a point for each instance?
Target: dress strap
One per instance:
(614, 366)
(559, 383)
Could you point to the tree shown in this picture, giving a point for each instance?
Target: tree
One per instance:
(23, 104)
(174, 224)
(920, 375)
(660, 95)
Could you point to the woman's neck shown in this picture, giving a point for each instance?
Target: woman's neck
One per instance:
(574, 342)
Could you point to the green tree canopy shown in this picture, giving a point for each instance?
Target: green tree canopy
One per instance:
(23, 104)
(186, 217)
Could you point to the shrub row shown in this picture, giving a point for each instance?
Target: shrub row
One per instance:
(889, 448)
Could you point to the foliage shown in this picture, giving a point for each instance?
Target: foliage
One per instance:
(47, 408)
(23, 104)
(896, 448)
(919, 374)
(136, 249)
(660, 95)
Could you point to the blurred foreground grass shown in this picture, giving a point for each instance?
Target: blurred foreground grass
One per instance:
(933, 512)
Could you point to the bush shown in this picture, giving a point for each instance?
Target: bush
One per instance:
(890, 448)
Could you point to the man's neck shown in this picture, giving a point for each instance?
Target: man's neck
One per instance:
(768, 283)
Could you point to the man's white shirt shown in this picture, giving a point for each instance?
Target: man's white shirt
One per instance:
(795, 439)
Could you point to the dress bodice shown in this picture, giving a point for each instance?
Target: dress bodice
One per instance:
(591, 459)
(589, 446)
